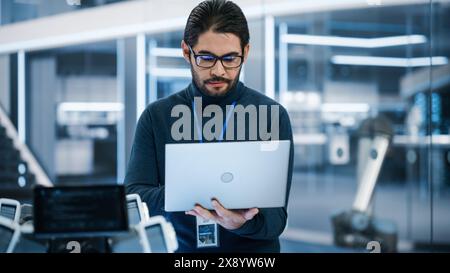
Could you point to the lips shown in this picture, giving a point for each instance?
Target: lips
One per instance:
(216, 84)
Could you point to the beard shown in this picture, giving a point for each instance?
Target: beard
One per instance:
(202, 84)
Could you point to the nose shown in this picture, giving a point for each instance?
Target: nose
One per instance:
(218, 69)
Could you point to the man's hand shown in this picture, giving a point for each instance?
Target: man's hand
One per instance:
(229, 219)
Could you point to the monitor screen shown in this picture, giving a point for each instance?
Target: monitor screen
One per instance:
(155, 236)
(133, 213)
(79, 211)
(6, 235)
(8, 211)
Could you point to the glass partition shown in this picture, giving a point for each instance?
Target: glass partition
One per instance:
(73, 108)
(351, 77)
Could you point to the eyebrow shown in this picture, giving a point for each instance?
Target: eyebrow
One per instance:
(210, 53)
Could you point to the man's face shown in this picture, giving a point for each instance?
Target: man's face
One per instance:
(217, 80)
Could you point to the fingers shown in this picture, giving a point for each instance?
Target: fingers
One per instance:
(230, 219)
(249, 214)
(225, 213)
(192, 212)
(220, 210)
(204, 213)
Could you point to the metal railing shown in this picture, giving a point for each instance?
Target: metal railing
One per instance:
(25, 153)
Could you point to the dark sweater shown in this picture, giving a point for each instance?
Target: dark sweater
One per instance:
(145, 173)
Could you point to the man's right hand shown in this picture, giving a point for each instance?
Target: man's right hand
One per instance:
(229, 219)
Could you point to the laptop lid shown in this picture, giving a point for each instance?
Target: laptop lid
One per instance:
(239, 174)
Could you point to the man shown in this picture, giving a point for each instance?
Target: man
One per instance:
(215, 44)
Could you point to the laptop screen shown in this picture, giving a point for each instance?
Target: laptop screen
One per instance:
(79, 211)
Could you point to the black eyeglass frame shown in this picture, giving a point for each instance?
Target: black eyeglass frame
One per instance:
(215, 59)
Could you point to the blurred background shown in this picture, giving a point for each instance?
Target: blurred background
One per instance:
(76, 75)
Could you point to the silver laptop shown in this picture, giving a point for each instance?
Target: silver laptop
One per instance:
(239, 174)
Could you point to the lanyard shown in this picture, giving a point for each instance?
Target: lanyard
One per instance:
(199, 130)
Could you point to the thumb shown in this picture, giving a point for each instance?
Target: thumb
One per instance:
(249, 214)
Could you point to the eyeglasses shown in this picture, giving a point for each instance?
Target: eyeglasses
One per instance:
(209, 60)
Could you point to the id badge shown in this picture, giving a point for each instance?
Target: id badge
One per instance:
(207, 233)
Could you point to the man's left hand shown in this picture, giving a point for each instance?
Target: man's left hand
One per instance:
(229, 219)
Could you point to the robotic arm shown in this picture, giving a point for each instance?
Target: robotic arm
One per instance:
(357, 227)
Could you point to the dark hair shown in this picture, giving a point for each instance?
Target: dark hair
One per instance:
(220, 16)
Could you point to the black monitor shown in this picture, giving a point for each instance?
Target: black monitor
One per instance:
(80, 211)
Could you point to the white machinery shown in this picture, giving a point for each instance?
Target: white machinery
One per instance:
(9, 234)
(358, 227)
(155, 235)
(10, 209)
(16, 230)
(146, 235)
(135, 209)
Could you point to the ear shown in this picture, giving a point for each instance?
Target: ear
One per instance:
(246, 50)
(186, 51)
